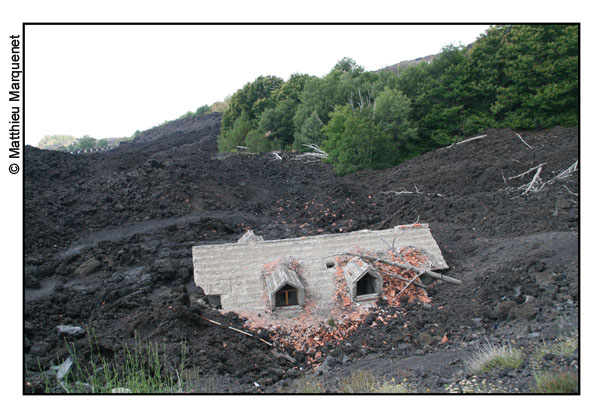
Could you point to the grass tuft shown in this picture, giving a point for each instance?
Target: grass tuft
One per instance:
(489, 357)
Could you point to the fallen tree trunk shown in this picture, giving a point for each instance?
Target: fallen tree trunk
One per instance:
(433, 275)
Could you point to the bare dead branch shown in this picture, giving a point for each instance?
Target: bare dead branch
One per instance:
(572, 193)
(527, 172)
(408, 284)
(318, 153)
(465, 141)
(404, 279)
(534, 179)
(403, 191)
(433, 275)
(526, 144)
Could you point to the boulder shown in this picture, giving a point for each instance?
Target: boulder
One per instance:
(543, 278)
(249, 237)
(526, 310)
(502, 309)
(88, 267)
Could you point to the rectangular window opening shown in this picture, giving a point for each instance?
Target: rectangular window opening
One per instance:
(366, 286)
(287, 296)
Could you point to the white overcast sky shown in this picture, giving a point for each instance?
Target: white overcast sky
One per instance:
(108, 81)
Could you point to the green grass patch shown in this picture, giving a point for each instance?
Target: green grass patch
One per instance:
(141, 368)
(362, 381)
(307, 385)
(556, 382)
(565, 346)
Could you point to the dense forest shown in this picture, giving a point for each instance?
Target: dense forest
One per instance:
(515, 76)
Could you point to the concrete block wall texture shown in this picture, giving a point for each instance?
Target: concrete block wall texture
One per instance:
(236, 271)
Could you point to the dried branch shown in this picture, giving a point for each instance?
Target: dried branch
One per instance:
(567, 188)
(465, 140)
(527, 172)
(408, 284)
(276, 155)
(237, 330)
(318, 154)
(537, 184)
(527, 145)
(433, 275)
(403, 191)
(396, 276)
(534, 180)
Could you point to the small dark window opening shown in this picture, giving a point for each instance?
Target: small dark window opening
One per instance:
(330, 264)
(215, 301)
(287, 296)
(366, 286)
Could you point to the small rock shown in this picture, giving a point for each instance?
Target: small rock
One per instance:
(562, 203)
(39, 348)
(121, 390)
(70, 330)
(534, 335)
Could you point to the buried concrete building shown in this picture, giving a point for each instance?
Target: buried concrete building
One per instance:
(282, 276)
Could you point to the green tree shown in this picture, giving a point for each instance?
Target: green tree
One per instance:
(277, 123)
(229, 140)
(356, 140)
(252, 99)
(392, 113)
(202, 110)
(102, 143)
(541, 79)
(86, 142)
(56, 141)
(346, 81)
(256, 141)
(310, 133)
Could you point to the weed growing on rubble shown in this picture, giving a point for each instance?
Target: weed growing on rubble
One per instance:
(560, 380)
(556, 382)
(366, 382)
(361, 381)
(307, 385)
(488, 357)
(142, 369)
(565, 346)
